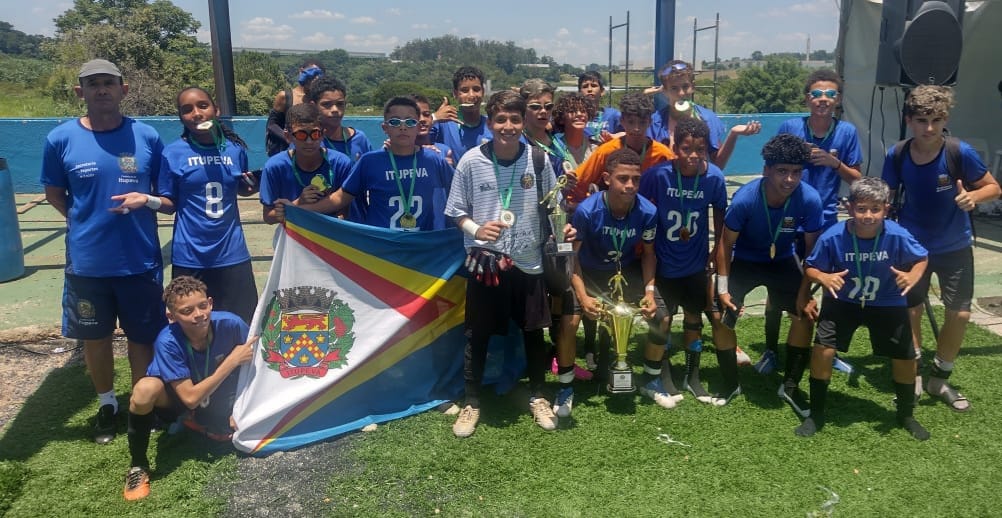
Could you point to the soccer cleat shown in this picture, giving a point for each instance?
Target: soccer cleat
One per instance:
(466, 423)
(767, 363)
(137, 484)
(806, 429)
(590, 361)
(743, 358)
(840, 365)
(656, 391)
(104, 425)
(542, 413)
(564, 402)
(795, 398)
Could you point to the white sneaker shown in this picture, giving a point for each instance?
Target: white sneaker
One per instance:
(466, 423)
(742, 357)
(656, 391)
(542, 413)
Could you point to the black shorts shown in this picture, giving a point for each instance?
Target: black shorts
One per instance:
(955, 271)
(890, 328)
(781, 279)
(93, 305)
(518, 296)
(688, 292)
(232, 288)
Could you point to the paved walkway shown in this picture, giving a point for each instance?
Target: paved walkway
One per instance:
(33, 300)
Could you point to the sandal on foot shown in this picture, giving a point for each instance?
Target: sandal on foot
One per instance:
(951, 397)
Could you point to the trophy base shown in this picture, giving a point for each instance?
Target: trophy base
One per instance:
(559, 249)
(621, 381)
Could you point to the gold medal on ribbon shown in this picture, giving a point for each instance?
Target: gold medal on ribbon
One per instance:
(205, 402)
(772, 251)
(319, 182)
(508, 217)
(408, 221)
(684, 234)
(568, 168)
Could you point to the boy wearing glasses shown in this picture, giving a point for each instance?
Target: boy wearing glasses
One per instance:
(756, 249)
(494, 199)
(678, 82)
(406, 185)
(463, 128)
(835, 158)
(306, 171)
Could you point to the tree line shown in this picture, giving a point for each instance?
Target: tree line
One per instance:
(154, 44)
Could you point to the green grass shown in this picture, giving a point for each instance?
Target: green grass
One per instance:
(18, 101)
(742, 459)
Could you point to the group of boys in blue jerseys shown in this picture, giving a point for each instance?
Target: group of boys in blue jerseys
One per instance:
(643, 235)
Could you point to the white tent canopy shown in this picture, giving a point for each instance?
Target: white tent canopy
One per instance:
(876, 111)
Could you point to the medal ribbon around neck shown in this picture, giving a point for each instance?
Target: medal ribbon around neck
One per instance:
(191, 351)
(298, 173)
(506, 197)
(409, 197)
(681, 202)
(768, 219)
(218, 138)
(810, 132)
(619, 236)
(859, 263)
(344, 137)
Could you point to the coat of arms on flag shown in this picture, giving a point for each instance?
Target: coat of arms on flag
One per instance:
(307, 332)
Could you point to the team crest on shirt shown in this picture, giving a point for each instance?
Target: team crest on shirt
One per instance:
(528, 181)
(308, 331)
(943, 183)
(788, 222)
(127, 163)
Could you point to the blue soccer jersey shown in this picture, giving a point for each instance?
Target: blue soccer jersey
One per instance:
(604, 239)
(844, 141)
(93, 166)
(203, 181)
(607, 119)
(759, 225)
(658, 130)
(869, 262)
(460, 137)
(353, 147)
(280, 178)
(678, 255)
(423, 177)
(929, 211)
(173, 361)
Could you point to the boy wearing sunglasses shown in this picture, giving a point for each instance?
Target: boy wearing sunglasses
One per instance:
(678, 82)
(835, 158)
(307, 170)
(406, 185)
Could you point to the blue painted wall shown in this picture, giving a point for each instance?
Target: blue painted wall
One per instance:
(21, 141)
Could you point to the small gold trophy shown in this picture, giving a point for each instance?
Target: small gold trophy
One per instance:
(618, 318)
(558, 220)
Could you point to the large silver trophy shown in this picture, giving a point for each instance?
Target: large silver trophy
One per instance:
(558, 220)
(617, 318)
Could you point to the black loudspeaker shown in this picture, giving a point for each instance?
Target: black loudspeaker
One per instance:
(920, 42)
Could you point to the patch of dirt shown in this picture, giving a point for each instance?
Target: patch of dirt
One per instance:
(27, 355)
(992, 305)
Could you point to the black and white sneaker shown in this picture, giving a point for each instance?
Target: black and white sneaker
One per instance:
(104, 425)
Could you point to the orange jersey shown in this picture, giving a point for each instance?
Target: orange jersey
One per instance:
(590, 172)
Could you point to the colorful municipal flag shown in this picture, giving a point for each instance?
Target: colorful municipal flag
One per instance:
(358, 325)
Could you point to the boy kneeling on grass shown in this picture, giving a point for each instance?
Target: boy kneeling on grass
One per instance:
(867, 266)
(193, 373)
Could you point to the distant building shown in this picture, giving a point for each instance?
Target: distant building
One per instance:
(297, 52)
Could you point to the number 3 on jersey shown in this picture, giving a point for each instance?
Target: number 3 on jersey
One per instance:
(674, 223)
(214, 200)
(417, 205)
